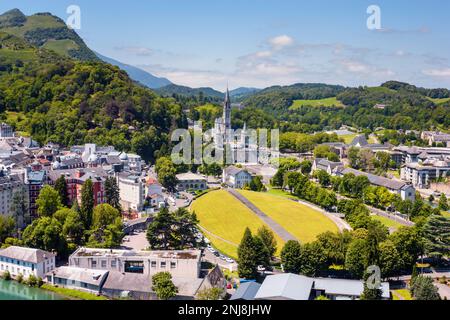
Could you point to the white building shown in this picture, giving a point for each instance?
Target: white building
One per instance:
(191, 181)
(26, 261)
(9, 185)
(180, 264)
(132, 191)
(6, 131)
(236, 177)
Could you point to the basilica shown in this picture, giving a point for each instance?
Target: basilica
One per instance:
(238, 146)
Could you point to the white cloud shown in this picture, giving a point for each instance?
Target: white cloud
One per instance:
(138, 51)
(444, 73)
(280, 42)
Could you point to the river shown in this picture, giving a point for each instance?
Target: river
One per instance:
(12, 290)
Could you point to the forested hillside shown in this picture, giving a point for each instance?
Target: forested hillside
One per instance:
(59, 99)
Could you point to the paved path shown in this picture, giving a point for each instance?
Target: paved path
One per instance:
(278, 229)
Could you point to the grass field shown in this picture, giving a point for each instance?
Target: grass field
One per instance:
(281, 193)
(446, 214)
(223, 215)
(387, 222)
(61, 47)
(348, 138)
(301, 221)
(74, 294)
(328, 102)
(404, 293)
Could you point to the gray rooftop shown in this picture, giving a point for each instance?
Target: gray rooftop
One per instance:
(26, 254)
(93, 277)
(376, 180)
(285, 287)
(246, 291)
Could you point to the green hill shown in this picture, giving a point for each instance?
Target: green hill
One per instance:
(68, 101)
(46, 31)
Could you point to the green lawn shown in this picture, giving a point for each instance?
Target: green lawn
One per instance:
(224, 216)
(387, 222)
(301, 221)
(404, 293)
(281, 193)
(328, 102)
(61, 47)
(348, 138)
(74, 294)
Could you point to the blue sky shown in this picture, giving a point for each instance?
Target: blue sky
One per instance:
(260, 43)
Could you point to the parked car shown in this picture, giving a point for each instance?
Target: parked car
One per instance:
(261, 268)
(229, 260)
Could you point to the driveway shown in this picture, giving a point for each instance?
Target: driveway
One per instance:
(138, 242)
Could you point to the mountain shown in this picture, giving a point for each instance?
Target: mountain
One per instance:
(184, 91)
(57, 98)
(242, 92)
(281, 97)
(46, 31)
(137, 74)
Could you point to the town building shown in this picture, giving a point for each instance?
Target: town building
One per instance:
(6, 131)
(86, 280)
(297, 287)
(236, 177)
(9, 185)
(422, 174)
(181, 264)
(191, 181)
(132, 191)
(405, 190)
(325, 165)
(26, 261)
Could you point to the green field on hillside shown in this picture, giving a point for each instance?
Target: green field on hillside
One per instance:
(387, 222)
(301, 221)
(328, 102)
(61, 46)
(223, 216)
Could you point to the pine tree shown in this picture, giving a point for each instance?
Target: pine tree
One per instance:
(61, 188)
(112, 193)
(247, 257)
(87, 203)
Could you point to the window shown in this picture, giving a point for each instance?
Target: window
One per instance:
(153, 264)
(173, 265)
(103, 263)
(163, 264)
(94, 264)
(113, 264)
(134, 267)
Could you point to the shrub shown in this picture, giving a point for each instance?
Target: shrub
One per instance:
(6, 275)
(32, 281)
(19, 278)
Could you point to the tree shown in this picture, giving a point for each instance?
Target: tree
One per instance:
(87, 203)
(48, 202)
(210, 294)
(323, 177)
(19, 208)
(61, 188)
(424, 289)
(263, 256)
(306, 167)
(247, 257)
(73, 227)
(46, 234)
(443, 203)
(166, 171)
(173, 231)
(436, 234)
(7, 226)
(112, 193)
(390, 259)
(356, 258)
(334, 246)
(291, 256)
(268, 239)
(353, 157)
(107, 227)
(312, 259)
(163, 286)
(409, 244)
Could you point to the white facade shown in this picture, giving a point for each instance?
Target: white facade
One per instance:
(236, 177)
(132, 192)
(9, 185)
(26, 261)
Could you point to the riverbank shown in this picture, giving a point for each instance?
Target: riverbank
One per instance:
(72, 294)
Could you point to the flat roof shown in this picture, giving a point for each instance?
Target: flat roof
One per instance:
(168, 254)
